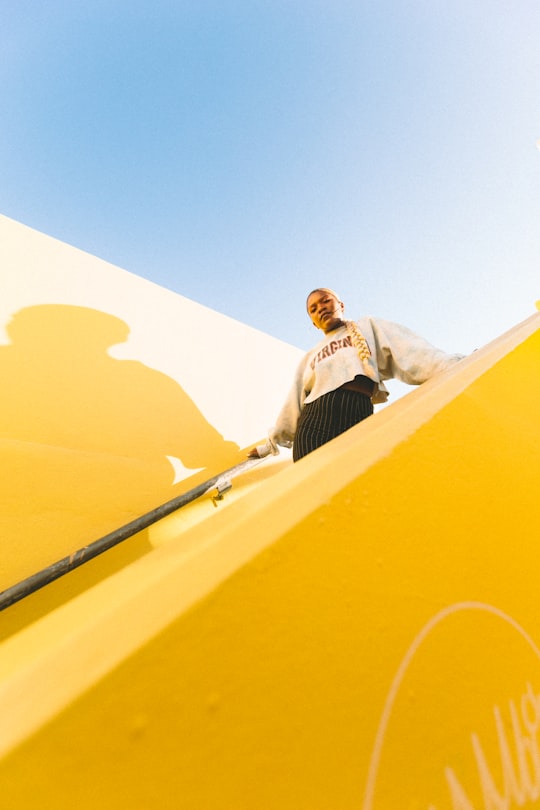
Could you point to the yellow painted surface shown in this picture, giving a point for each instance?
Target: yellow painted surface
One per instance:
(110, 405)
(41, 602)
(360, 631)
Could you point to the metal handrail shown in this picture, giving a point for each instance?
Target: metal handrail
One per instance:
(220, 482)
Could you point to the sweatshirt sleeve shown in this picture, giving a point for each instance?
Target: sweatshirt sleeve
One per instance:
(283, 432)
(404, 355)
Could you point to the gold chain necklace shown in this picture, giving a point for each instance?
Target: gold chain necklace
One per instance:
(359, 342)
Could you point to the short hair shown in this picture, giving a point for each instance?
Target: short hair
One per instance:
(326, 290)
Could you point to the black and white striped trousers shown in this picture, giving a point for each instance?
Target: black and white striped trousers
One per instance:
(327, 417)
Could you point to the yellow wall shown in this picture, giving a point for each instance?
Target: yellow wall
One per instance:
(109, 405)
(360, 631)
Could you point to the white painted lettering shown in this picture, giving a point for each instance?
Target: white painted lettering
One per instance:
(515, 781)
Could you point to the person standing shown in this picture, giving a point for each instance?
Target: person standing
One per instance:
(339, 380)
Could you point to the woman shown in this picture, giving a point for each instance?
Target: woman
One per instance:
(338, 381)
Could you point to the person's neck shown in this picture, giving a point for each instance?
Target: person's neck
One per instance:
(333, 328)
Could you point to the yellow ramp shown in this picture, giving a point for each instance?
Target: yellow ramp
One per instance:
(360, 631)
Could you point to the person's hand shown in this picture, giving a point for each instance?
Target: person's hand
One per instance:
(253, 453)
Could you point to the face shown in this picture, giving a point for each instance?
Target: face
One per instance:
(325, 310)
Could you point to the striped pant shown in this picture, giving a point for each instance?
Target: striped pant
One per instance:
(327, 417)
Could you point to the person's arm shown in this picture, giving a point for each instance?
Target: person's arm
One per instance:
(284, 429)
(404, 355)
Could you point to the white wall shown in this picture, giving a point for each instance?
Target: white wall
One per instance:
(236, 375)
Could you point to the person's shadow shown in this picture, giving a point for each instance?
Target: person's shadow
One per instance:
(85, 436)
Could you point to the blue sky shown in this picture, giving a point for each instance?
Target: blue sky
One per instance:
(242, 152)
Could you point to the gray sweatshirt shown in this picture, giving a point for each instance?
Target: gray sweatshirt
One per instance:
(395, 353)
